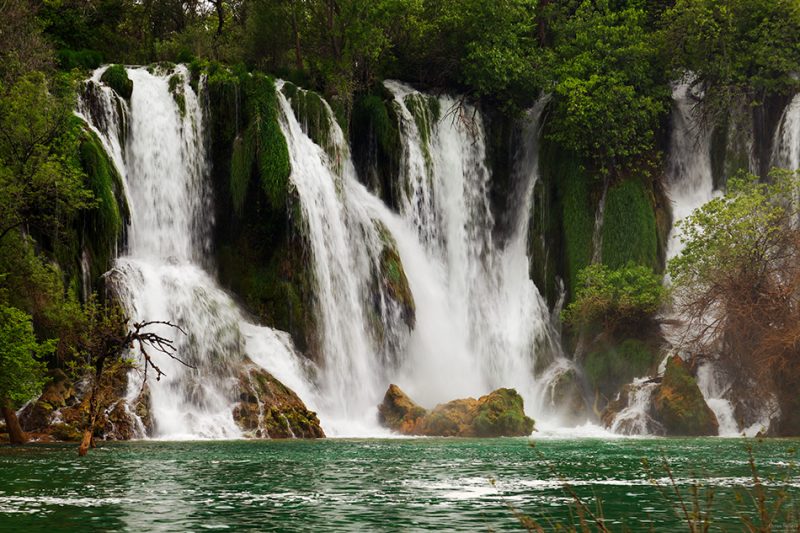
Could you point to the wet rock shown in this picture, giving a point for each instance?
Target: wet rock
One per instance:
(497, 414)
(679, 406)
(56, 395)
(269, 409)
(565, 396)
(399, 412)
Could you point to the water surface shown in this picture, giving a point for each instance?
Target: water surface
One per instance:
(377, 485)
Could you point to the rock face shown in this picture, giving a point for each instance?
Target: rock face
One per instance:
(269, 409)
(498, 414)
(679, 405)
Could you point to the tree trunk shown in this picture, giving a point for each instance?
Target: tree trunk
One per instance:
(220, 16)
(298, 56)
(15, 433)
(83, 449)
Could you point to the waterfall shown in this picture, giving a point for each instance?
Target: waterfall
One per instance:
(786, 152)
(482, 322)
(158, 147)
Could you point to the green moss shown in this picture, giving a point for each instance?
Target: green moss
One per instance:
(374, 111)
(679, 405)
(577, 212)
(629, 226)
(313, 115)
(609, 368)
(176, 89)
(105, 223)
(502, 414)
(272, 152)
(117, 78)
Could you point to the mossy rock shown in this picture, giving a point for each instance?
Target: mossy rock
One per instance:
(117, 78)
(679, 405)
(269, 409)
(394, 280)
(609, 366)
(498, 414)
(398, 412)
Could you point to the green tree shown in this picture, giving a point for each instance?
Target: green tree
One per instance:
(605, 74)
(737, 287)
(41, 182)
(735, 48)
(21, 371)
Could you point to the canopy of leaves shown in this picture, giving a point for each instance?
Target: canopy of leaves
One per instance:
(609, 91)
(735, 48)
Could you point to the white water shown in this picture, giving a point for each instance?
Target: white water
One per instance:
(786, 153)
(635, 418)
(165, 171)
(482, 323)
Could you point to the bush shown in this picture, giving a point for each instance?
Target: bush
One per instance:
(615, 299)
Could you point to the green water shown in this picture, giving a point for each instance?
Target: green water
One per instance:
(376, 485)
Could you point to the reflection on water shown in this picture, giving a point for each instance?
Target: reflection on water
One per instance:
(386, 485)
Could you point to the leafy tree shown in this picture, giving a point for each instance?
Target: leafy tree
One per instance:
(737, 286)
(20, 369)
(604, 72)
(41, 182)
(735, 48)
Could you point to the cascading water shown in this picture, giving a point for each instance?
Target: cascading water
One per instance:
(787, 139)
(159, 150)
(482, 323)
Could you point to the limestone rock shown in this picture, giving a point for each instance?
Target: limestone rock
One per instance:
(269, 409)
(497, 414)
(679, 405)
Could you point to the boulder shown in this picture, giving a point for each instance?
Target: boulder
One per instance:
(679, 406)
(498, 414)
(56, 395)
(398, 412)
(269, 409)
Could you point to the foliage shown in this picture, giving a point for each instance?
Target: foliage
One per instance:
(608, 93)
(735, 48)
(41, 183)
(21, 372)
(629, 226)
(737, 285)
(615, 299)
(117, 78)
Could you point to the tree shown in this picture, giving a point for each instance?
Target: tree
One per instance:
(41, 182)
(625, 299)
(21, 370)
(107, 342)
(735, 48)
(608, 89)
(737, 287)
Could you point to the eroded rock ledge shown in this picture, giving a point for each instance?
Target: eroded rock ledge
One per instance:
(498, 414)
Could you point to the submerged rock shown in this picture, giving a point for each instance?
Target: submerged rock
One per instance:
(679, 405)
(269, 409)
(498, 414)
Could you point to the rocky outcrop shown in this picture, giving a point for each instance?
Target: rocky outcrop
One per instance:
(679, 406)
(269, 409)
(498, 414)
